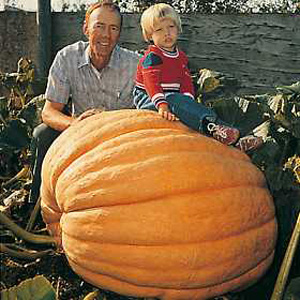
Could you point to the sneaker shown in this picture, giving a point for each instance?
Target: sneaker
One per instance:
(249, 142)
(224, 134)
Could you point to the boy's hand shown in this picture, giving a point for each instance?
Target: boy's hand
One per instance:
(163, 110)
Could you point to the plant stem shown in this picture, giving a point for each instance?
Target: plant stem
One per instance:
(23, 234)
(24, 253)
(24, 173)
(33, 215)
(286, 263)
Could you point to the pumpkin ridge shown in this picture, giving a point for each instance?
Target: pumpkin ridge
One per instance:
(113, 177)
(112, 163)
(148, 123)
(103, 148)
(149, 199)
(50, 213)
(263, 221)
(156, 198)
(108, 282)
(105, 134)
(223, 238)
(78, 152)
(186, 279)
(253, 216)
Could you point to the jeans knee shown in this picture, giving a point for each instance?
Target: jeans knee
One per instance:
(39, 131)
(44, 135)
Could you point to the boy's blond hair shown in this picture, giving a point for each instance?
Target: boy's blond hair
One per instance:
(154, 14)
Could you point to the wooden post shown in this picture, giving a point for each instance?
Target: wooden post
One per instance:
(44, 37)
(286, 264)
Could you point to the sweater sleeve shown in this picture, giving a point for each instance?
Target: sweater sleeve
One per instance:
(186, 87)
(151, 71)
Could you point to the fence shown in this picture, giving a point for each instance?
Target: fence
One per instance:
(262, 50)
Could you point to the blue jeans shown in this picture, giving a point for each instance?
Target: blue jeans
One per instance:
(43, 137)
(189, 112)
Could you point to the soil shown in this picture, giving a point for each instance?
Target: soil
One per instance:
(68, 285)
(54, 266)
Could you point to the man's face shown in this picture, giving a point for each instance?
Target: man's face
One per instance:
(103, 30)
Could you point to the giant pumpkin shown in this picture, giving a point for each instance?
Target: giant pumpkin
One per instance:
(146, 207)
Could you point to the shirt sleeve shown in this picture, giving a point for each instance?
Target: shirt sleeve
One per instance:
(58, 85)
(151, 71)
(187, 86)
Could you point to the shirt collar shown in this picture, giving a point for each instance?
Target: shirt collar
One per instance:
(113, 63)
(174, 53)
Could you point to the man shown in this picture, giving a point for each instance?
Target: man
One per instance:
(97, 74)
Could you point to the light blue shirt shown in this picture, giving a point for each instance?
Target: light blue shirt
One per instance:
(72, 74)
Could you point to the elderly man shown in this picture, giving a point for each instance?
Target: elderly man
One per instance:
(97, 74)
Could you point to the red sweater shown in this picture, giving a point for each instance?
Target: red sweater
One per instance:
(159, 72)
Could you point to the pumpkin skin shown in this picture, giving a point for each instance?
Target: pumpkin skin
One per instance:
(147, 207)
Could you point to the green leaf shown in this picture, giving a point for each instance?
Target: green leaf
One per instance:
(212, 84)
(290, 89)
(245, 118)
(31, 112)
(37, 288)
(296, 128)
(15, 135)
(293, 290)
(4, 112)
(269, 154)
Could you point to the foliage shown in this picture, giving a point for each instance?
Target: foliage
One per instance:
(19, 114)
(74, 7)
(275, 117)
(188, 6)
(293, 290)
(217, 6)
(38, 288)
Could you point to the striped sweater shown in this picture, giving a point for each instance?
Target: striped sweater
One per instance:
(160, 72)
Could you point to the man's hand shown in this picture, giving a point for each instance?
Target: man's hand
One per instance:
(86, 114)
(164, 111)
(89, 113)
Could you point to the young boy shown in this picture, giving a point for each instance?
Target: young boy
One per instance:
(163, 81)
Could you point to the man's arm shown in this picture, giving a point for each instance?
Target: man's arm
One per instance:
(54, 117)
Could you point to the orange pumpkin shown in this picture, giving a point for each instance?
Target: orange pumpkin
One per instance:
(146, 207)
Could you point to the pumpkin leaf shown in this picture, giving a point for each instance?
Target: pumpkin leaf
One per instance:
(17, 117)
(293, 290)
(4, 111)
(15, 134)
(239, 113)
(269, 153)
(212, 85)
(31, 112)
(291, 89)
(38, 288)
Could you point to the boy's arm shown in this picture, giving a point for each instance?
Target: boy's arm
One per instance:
(187, 86)
(152, 70)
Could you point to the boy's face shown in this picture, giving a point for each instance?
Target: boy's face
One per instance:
(165, 34)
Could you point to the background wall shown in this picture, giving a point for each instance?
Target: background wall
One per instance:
(18, 37)
(261, 50)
